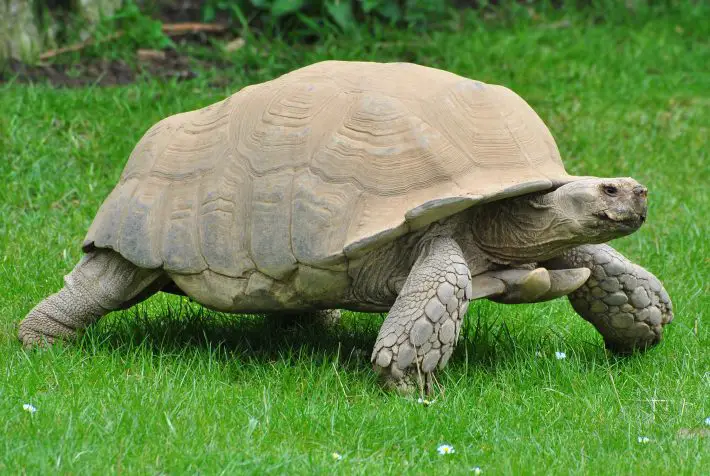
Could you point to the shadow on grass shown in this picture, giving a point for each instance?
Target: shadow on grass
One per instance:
(487, 339)
(182, 326)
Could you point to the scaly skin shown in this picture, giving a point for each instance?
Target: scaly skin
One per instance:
(101, 282)
(628, 305)
(423, 325)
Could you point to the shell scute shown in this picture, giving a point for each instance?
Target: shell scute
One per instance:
(226, 205)
(271, 225)
(377, 144)
(141, 228)
(180, 245)
(273, 131)
(319, 226)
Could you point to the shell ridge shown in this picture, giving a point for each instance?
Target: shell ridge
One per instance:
(448, 141)
(163, 219)
(289, 207)
(197, 213)
(162, 127)
(320, 142)
(122, 220)
(444, 132)
(402, 109)
(516, 139)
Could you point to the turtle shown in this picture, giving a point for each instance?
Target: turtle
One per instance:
(370, 187)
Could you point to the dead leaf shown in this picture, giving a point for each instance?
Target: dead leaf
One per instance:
(234, 45)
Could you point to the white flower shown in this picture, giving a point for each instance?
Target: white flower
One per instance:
(425, 402)
(28, 407)
(476, 470)
(707, 421)
(445, 449)
(336, 456)
(644, 439)
(560, 355)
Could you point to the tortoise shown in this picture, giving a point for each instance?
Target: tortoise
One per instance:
(376, 187)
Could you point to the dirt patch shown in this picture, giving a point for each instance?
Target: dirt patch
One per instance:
(92, 71)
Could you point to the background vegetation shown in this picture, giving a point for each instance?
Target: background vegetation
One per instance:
(29, 27)
(168, 387)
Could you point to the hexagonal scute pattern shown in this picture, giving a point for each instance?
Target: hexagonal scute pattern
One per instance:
(423, 325)
(628, 305)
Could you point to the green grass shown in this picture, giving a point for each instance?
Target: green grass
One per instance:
(170, 388)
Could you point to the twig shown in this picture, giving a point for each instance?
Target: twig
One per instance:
(175, 29)
(170, 29)
(77, 46)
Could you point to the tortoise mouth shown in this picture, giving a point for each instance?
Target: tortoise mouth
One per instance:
(625, 222)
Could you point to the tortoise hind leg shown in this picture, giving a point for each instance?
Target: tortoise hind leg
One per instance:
(628, 305)
(101, 282)
(323, 319)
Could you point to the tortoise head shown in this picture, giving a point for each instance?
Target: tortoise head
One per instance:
(602, 208)
(534, 228)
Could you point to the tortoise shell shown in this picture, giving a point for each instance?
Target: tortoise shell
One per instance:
(320, 165)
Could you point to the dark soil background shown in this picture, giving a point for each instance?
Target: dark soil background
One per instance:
(99, 71)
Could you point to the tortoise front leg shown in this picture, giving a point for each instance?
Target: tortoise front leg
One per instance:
(628, 305)
(423, 325)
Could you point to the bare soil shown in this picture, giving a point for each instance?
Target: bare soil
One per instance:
(97, 71)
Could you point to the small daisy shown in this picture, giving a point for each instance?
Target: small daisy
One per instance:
(707, 421)
(560, 355)
(336, 456)
(28, 407)
(476, 470)
(445, 449)
(424, 401)
(644, 439)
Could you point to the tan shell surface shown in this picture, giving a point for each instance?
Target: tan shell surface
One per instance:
(328, 161)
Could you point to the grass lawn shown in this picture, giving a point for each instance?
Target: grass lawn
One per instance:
(170, 388)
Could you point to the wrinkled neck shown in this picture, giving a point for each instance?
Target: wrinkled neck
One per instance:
(523, 229)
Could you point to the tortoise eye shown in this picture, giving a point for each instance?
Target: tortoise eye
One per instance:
(611, 190)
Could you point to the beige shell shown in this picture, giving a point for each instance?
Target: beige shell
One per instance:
(328, 161)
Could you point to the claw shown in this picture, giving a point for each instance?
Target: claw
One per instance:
(564, 281)
(515, 286)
